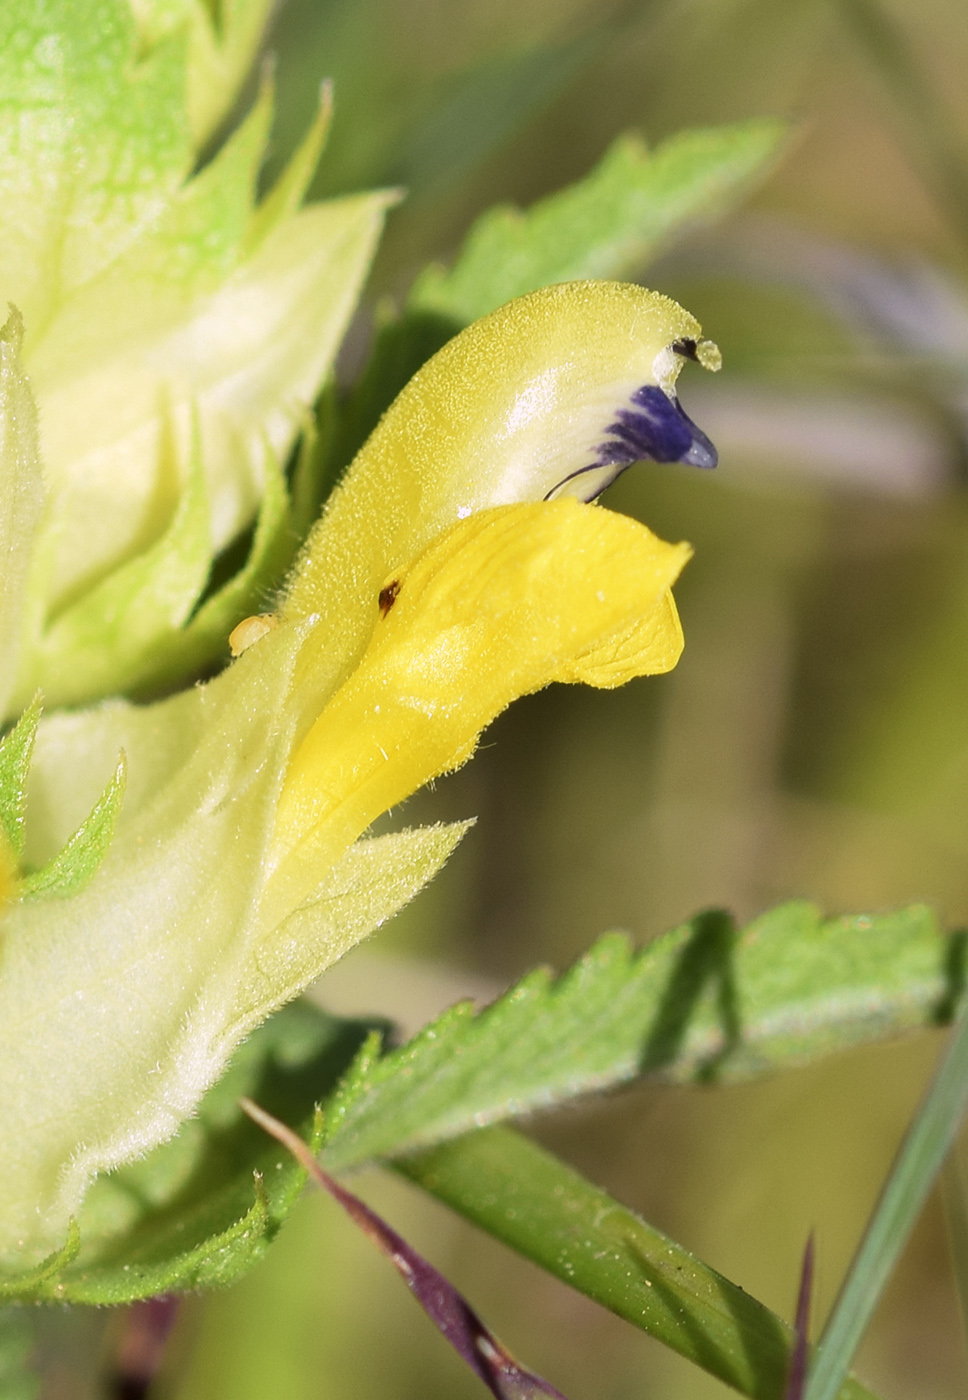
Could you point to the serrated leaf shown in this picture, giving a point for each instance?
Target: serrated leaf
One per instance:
(606, 225)
(703, 1002)
(16, 750)
(202, 1209)
(75, 864)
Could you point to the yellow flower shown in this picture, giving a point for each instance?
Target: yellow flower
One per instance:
(459, 565)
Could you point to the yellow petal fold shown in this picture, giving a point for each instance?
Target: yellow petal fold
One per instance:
(501, 604)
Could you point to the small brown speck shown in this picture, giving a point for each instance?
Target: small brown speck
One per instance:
(388, 596)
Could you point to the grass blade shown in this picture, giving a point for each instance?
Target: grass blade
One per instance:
(918, 1162)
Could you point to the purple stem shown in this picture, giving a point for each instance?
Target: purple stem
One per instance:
(440, 1300)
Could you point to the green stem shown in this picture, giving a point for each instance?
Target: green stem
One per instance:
(546, 1211)
(928, 1140)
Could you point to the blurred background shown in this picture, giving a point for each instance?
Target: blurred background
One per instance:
(814, 739)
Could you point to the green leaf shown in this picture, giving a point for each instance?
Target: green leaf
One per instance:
(607, 225)
(202, 1209)
(704, 1002)
(75, 864)
(549, 1213)
(32, 1282)
(16, 750)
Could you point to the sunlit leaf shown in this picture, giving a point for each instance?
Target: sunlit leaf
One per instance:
(177, 329)
(706, 1002)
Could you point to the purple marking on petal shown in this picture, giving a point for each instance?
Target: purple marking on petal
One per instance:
(447, 1309)
(615, 452)
(656, 430)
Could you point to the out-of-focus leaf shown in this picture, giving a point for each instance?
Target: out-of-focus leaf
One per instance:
(204, 1207)
(704, 1002)
(549, 1213)
(471, 114)
(426, 124)
(930, 124)
(607, 225)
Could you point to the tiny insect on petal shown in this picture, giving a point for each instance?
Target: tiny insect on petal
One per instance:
(250, 631)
